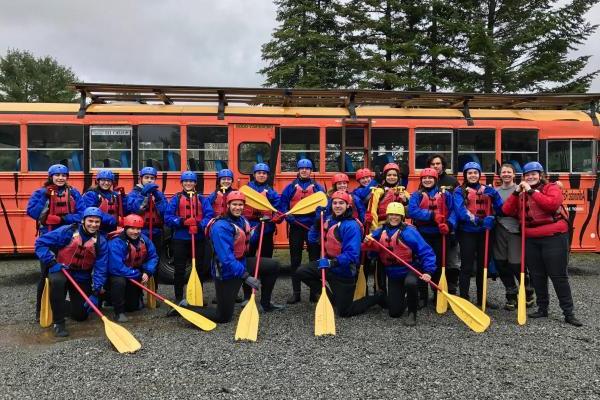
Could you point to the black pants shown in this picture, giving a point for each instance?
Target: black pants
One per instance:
(298, 237)
(125, 295)
(40, 289)
(510, 275)
(341, 293)
(267, 246)
(472, 250)
(182, 252)
(402, 292)
(226, 290)
(435, 241)
(58, 291)
(158, 244)
(379, 276)
(547, 257)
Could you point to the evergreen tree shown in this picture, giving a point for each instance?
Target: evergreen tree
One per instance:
(24, 78)
(307, 47)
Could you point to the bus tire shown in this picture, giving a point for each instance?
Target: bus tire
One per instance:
(166, 270)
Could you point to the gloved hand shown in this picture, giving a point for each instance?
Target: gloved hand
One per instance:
(193, 229)
(251, 281)
(323, 263)
(489, 191)
(488, 222)
(439, 218)
(52, 219)
(477, 221)
(88, 309)
(56, 268)
(149, 188)
(51, 189)
(368, 218)
(290, 219)
(265, 219)
(190, 222)
(444, 229)
(319, 210)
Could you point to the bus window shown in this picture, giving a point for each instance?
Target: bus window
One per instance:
(207, 148)
(10, 143)
(389, 145)
(519, 147)
(55, 144)
(159, 147)
(433, 141)
(477, 145)
(573, 156)
(250, 153)
(110, 146)
(354, 159)
(298, 143)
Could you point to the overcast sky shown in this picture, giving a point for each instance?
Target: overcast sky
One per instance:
(201, 42)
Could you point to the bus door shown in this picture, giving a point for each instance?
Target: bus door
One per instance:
(251, 144)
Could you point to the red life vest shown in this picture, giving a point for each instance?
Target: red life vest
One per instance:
(300, 193)
(477, 203)
(333, 244)
(184, 207)
(157, 221)
(241, 237)
(220, 204)
(397, 246)
(536, 216)
(388, 197)
(109, 206)
(62, 204)
(78, 255)
(135, 255)
(434, 204)
(252, 214)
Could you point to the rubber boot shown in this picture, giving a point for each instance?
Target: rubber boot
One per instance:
(411, 319)
(60, 330)
(540, 313)
(570, 319)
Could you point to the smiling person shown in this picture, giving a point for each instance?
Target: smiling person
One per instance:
(223, 186)
(54, 205)
(546, 239)
(81, 250)
(110, 202)
(363, 192)
(131, 256)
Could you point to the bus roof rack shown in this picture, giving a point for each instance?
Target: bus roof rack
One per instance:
(103, 93)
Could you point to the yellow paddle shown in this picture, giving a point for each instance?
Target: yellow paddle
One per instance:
(199, 320)
(521, 301)
(247, 327)
(309, 204)
(360, 290)
(256, 200)
(472, 316)
(45, 308)
(193, 291)
(120, 337)
(324, 317)
(151, 300)
(441, 305)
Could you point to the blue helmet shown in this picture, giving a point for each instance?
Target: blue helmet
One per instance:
(188, 176)
(533, 166)
(105, 174)
(304, 163)
(225, 173)
(148, 171)
(472, 165)
(92, 212)
(261, 167)
(57, 169)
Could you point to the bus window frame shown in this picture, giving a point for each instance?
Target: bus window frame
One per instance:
(18, 150)
(317, 152)
(500, 135)
(26, 147)
(409, 132)
(594, 155)
(139, 149)
(185, 161)
(255, 162)
(131, 153)
(494, 141)
(435, 129)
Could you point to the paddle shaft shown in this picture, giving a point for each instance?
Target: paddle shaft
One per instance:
(150, 208)
(300, 224)
(82, 293)
(322, 251)
(52, 194)
(522, 199)
(260, 241)
(153, 293)
(193, 213)
(121, 194)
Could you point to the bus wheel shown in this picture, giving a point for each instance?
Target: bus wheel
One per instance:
(166, 269)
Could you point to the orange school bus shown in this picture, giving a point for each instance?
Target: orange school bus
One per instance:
(173, 128)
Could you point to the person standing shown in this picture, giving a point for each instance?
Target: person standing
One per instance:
(109, 201)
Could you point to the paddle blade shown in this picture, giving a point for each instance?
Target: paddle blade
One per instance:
(324, 317)
(256, 200)
(472, 316)
(484, 295)
(45, 308)
(521, 302)
(193, 292)
(247, 327)
(120, 337)
(309, 204)
(441, 305)
(360, 290)
(199, 320)
(151, 300)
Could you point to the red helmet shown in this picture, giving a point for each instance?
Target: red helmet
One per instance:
(133, 221)
(342, 196)
(390, 166)
(339, 178)
(362, 173)
(429, 172)
(236, 195)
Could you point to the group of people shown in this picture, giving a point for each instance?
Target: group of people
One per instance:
(104, 238)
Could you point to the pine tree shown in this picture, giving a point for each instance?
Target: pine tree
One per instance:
(307, 48)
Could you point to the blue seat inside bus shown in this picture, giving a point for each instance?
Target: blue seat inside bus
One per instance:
(37, 161)
(173, 161)
(465, 158)
(516, 166)
(75, 161)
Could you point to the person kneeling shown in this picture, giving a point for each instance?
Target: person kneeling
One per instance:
(342, 241)
(132, 255)
(407, 243)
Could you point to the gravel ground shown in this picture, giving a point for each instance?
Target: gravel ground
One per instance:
(372, 356)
